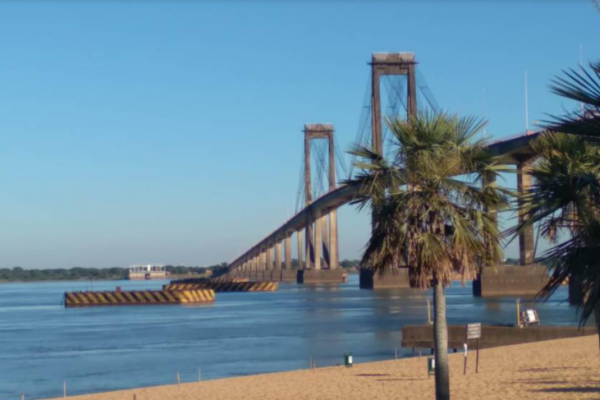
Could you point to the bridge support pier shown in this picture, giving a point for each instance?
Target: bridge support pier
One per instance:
(525, 279)
(318, 243)
(287, 274)
(300, 250)
(321, 276)
(334, 252)
(394, 279)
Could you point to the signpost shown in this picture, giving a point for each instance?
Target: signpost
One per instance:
(530, 317)
(473, 332)
(430, 366)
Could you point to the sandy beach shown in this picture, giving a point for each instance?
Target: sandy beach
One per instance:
(559, 369)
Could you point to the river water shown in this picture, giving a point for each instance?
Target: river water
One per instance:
(98, 349)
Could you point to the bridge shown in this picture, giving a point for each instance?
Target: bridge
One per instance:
(315, 222)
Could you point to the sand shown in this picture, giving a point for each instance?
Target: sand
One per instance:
(559, 369)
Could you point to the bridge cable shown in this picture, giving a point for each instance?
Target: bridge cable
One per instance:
(363, 131)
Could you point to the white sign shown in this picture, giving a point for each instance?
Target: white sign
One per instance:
(474, 331)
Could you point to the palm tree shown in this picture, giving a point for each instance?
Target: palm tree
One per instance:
(565, 196)
(427, 218)
(564, 201)
(584, 87)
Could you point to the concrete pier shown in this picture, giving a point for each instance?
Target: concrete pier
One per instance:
(322, 276)
(511, 280)
(370, 279)
(527, 278)
(289, 275)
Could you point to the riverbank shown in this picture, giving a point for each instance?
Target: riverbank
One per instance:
(559, 369)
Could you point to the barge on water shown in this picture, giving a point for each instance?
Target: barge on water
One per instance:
(138, 297)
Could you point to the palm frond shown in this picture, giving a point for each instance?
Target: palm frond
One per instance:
(423, 216)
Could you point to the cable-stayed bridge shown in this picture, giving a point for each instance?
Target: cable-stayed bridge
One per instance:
(315, 222)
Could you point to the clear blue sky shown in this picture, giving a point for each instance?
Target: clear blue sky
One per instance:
(170, 131)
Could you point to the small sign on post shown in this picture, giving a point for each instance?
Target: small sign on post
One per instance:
(530, 317)
(348, 359)
(430, 366)
(473, 333)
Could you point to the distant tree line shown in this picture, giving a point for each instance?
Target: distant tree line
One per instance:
(60, 274)
(18, 274)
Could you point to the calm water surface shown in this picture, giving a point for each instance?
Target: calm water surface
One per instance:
(110, 348)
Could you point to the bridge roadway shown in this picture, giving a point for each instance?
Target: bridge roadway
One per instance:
(512, 150)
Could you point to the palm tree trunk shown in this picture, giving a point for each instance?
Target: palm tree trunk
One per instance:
(442, 373)
(597, 317)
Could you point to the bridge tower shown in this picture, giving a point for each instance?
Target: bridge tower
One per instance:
(321, 234)
(385, 64)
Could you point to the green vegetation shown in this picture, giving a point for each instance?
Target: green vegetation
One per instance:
(77, 273)
(565, 197)
(350, 264)
(18, 274)
(427, 218)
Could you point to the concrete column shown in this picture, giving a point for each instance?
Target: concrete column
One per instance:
(307, 182)
(263, 260)
(278, 254)
(318, 239)
(309, 244)
(376, 141)
(288, 252)
(411, 90)
(490, 179)
(334, 252)
(526, 242)
(269, 265)
(325, 238)
(300, 250)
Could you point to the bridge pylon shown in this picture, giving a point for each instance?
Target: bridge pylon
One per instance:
(384, 64)
(321, 234)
